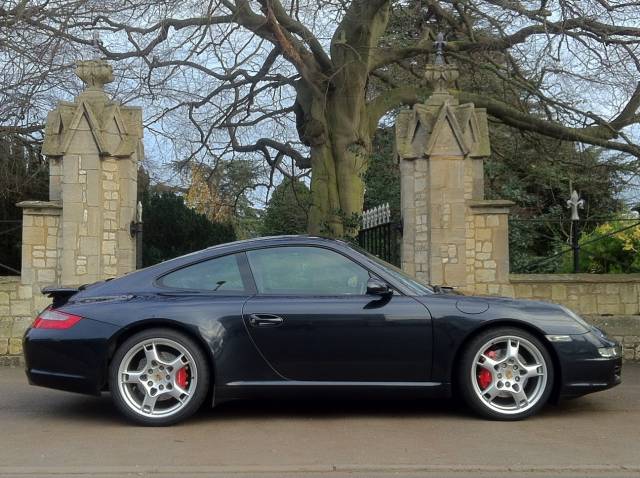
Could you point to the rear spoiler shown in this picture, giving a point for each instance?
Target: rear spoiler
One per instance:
(60, 295)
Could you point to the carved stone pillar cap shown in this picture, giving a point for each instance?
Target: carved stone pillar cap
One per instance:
(94, 73)
(441, 77)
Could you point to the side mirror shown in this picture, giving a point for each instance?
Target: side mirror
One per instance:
(378, 287)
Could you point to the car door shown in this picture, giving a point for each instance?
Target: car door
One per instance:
(313, 321)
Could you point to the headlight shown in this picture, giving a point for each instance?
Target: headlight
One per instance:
(609, 352)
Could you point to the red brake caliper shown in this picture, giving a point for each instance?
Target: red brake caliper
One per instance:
(182, 377)
(484, 376)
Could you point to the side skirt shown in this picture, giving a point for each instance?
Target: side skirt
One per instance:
(339, 390)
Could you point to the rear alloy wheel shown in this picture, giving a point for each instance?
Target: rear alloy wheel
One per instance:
(159, 377)
(506, 374)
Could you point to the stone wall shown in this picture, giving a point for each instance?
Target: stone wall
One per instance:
(624, 328)
(487, 250)
(15, 317)
(609, 301)
(93, 145)
(41, 235)
(82, 234)
(606, 294)
(20, 297)
(452, 235)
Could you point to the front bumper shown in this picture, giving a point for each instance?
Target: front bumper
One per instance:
(73, 360)
(583, 369)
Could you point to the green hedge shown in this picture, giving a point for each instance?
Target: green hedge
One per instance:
(172, 229)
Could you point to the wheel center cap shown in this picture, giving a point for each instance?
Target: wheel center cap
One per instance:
(508, 374)
(158, 376)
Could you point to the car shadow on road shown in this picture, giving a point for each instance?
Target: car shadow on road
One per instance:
(449, 409)
(101, 409)
(333, 408)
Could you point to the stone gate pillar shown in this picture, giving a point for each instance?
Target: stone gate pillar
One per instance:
(82, 234)
(451, 235)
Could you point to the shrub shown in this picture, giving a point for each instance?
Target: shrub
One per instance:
(613, 247)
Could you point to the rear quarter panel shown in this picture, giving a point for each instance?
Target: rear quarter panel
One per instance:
(215, 322)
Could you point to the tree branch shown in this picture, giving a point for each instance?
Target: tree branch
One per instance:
(595, 135)
(391, 99)
(262, 144)
(295, 27)
(34, 128)
(601, 135)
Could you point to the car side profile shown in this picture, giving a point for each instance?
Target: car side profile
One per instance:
(302, 316)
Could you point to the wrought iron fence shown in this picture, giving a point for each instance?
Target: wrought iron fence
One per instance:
(561, 245)
(10, 246)
(379, 235)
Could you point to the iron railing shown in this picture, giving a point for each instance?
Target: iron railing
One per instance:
(379, 235)
(556, 245)
(10, 249)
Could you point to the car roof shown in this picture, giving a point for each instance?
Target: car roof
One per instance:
(276, 239)
(246, 244)
(137, 279)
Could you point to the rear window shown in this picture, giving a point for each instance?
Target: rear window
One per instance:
(221, 274)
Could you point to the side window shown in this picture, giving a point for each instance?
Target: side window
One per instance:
(220, 275)
(306, 271)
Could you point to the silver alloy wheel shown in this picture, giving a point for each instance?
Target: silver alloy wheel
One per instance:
(517, 374)
(151, 377)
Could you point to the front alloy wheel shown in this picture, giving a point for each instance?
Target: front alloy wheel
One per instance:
(506, 374)
(158, 377)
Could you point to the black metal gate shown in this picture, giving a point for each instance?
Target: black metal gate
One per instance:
(10, 248)
(379, 235)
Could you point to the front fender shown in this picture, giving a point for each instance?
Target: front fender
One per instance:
(452, 328)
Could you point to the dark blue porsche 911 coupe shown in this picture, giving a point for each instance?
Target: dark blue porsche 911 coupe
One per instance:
(304, 316)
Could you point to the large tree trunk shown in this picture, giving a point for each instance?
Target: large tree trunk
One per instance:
(333, 119)
(336, 128)
(337, 185)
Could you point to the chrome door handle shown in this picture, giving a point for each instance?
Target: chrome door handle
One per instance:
(265, 320)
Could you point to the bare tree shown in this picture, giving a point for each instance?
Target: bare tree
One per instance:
(305, 83)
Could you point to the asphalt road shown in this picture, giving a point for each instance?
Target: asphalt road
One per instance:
(49, 433)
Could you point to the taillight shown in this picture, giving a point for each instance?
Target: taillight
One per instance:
(55, 319)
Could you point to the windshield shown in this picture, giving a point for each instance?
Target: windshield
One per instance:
(416, 288)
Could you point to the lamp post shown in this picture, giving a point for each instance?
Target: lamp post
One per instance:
(574, 203)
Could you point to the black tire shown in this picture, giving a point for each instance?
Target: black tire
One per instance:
(471, 395)
(201, 386)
